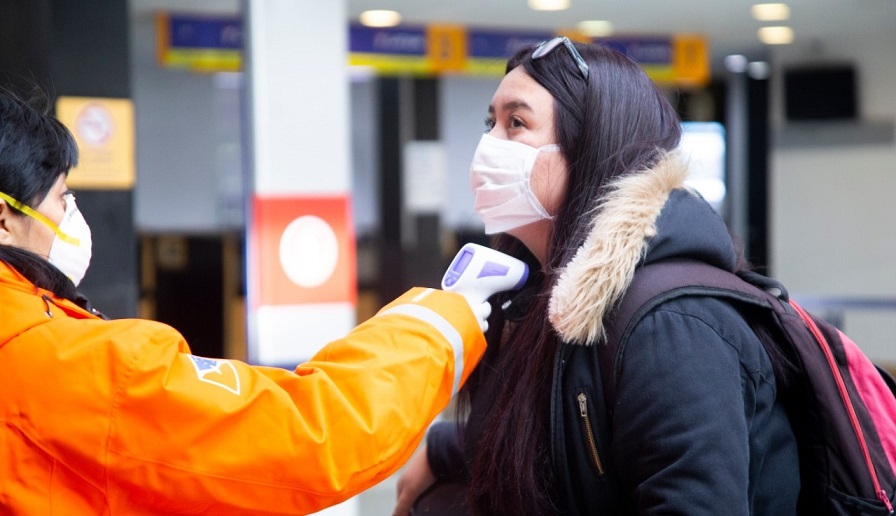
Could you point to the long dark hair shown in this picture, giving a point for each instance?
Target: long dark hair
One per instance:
(35, 149)
(615, 123)
(40, 273)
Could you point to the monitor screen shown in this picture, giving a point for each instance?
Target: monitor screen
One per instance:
(820, 93)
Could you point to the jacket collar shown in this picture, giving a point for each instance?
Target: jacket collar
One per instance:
(26, 306)
(603, 267)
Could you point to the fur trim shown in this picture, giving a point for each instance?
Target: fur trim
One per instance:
(603, 268)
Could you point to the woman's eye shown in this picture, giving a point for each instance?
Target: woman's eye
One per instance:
(489, 124)
(516, 123)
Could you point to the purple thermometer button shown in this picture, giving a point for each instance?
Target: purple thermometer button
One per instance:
(493, 269)
(451, 279)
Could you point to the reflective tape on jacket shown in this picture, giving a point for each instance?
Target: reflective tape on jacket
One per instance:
(443, 327)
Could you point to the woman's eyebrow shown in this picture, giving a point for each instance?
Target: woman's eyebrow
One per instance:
(511, 105)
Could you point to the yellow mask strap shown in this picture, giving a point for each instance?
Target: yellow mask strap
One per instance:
(34, 214)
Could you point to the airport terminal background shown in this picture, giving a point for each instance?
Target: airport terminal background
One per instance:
(814, 201)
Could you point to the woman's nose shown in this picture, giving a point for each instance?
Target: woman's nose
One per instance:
(498, 132)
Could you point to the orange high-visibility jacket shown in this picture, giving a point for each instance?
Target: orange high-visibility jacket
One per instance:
(117, 417)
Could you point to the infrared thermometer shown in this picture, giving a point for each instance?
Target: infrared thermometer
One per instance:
(477, 272)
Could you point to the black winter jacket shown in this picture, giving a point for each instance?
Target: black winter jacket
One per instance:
(696, 428)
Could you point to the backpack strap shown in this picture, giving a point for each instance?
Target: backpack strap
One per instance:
(838, 423)
(659, 282)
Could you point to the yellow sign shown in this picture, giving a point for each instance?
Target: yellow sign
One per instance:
(104, 131)
(447, 47)
(690, 60)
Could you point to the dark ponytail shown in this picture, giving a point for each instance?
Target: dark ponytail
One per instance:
(39, 271)
(43, 274)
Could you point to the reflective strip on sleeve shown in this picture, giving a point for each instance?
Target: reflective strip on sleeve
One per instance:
(443, 327)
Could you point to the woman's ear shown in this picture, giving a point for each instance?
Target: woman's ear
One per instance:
(6, 236)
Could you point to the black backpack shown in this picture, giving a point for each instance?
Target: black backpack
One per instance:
(841, 406)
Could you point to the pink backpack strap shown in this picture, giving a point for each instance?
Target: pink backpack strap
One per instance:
(875, 393)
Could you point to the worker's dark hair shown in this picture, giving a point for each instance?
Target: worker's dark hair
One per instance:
(35, 149)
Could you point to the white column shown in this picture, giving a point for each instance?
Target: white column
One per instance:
(736, 122)
(301, 286)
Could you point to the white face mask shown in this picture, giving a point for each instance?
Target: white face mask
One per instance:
(499, 177)
(72, 248)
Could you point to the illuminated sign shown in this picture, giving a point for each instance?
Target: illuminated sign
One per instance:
(104, 131)
(201, 43)
(205, 43)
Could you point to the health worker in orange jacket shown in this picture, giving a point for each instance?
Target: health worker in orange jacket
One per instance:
(117, 417)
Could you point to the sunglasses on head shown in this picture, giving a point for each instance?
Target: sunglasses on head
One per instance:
(544, 48)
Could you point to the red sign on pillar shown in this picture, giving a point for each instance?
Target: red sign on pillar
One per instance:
(304, 250)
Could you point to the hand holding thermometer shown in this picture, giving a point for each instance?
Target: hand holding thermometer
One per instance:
(478, 272)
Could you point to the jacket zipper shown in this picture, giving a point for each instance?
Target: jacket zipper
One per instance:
(589, 433)
(47, 303)
(854, 420)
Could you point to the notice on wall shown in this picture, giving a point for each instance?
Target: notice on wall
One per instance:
(424, 176)
(104, 131)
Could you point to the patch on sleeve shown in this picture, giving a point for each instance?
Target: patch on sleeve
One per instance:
(217, 372)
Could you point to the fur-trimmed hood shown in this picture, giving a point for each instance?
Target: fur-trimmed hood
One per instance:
(645, 217)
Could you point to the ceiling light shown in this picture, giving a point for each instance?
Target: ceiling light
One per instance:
(758, 70)
(776, 35)
(736, 63)
(770, 12)
(380, 18)
(595, 28)
(549, 5)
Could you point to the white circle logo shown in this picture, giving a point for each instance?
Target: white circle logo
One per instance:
(309, 251)
(95, 125)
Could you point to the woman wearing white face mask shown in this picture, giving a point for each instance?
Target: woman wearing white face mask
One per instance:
(118, 417)
(70, 248)
(578, 173)
(501, 176)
